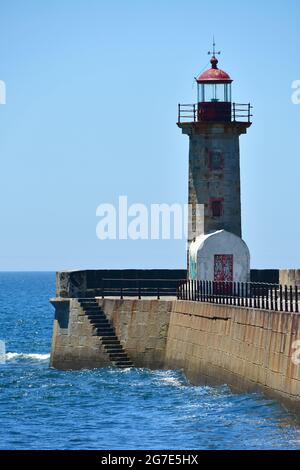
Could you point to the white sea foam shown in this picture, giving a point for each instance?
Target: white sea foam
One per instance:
(172, 381)
(37, 357)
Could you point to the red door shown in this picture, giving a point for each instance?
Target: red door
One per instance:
(223, 272)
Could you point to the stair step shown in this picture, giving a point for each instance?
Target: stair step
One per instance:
(95, 315)
(114, 351)
(110, 339)
(105, 328)
(118, 357)
(99, 319)
(106, 332)
(113, 348)
(124, 364)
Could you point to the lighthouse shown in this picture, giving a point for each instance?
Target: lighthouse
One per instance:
(216, 251)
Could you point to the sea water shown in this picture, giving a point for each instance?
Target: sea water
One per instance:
(43, 408)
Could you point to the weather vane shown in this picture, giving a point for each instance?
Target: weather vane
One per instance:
(214, 52)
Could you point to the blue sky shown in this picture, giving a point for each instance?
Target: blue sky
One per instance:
(92, 93)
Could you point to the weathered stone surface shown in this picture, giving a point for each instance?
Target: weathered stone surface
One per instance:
(74, 345)
(289, 277)
(141, 326)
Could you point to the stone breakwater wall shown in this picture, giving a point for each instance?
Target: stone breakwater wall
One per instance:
(141, 326)
(248, 349)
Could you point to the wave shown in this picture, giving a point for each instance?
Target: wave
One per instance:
(37, 357)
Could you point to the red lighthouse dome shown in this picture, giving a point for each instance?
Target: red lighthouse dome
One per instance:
(214, 93)
(214, 74)
(214, 98)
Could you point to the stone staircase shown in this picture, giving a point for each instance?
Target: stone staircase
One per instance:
(106, 333)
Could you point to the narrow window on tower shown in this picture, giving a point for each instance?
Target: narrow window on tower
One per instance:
(216, 160)
(217, 207)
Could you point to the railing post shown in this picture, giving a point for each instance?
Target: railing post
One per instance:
(224, 292)
(254, 295)
(296, 300)
(267, 298)
(276, 298)
(179, 113)
(286, 306)
(121, 291)
(239, 300)
(291, 299)
(102, 288)
(280, 298)
(139, 289)
(271, 298)
(248, 298)
(158, 296)
(242, 294)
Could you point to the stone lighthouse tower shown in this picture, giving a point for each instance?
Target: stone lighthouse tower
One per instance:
(214, 124)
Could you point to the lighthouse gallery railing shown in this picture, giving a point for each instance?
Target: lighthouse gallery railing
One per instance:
(239, 112)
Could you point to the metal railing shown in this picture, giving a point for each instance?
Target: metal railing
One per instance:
(242, 112)
(139, 287)
(187, 113)
(239, 112)
(252, 295)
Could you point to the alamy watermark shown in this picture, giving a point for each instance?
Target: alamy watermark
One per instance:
(296, 354)
(2, 92)
(2, 352)
(139, 222)
(296, 93)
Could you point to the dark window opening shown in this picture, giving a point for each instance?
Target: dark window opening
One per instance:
(216, 160)
(217, 208)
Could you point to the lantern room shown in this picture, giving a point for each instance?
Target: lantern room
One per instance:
(214, 94)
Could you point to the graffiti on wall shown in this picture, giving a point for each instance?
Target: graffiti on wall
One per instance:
(223, 268)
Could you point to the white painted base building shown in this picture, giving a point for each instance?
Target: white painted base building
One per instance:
(219, 256)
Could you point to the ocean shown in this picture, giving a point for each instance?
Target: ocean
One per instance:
(43, 408)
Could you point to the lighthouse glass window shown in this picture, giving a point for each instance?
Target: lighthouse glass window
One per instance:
(215, 92)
